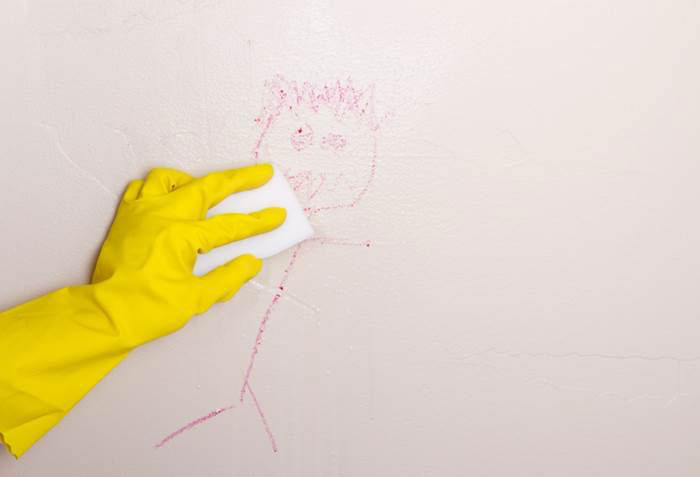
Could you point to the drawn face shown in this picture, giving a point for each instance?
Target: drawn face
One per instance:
(323, 137)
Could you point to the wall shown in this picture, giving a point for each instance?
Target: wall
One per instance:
(505, 279)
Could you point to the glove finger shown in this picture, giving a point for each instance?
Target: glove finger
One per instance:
(216, 186)
(160, 181)
(223, 282)
(226, 228)
(132, 190)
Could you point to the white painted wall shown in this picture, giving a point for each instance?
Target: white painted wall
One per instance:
(528, 302)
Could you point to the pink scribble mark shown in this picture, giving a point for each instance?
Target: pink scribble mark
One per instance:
(333, 141)
(354, 128)
(335, 241)
(302, 137)
(192, 424)
(343, 100)
(266, 426)
(265, 319)
(319, 190)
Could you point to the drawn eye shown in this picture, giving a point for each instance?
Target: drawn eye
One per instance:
(302, 137)
(333, 141)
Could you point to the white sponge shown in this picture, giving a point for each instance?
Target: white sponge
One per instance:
(276, 193)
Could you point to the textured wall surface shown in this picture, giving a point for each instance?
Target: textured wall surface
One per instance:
(506, 195)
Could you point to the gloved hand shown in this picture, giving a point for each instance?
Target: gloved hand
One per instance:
(54, 349)
(152, 245)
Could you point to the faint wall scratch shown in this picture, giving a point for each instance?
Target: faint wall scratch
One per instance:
(285, 294)
(667, 399)
(121, 133)
(577, 354)
(143, 18)
(53, 132)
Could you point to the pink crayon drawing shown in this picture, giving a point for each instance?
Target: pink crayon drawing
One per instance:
(192, 424)
(333, 141)
(266, 426)
(302, 137)
(329, 174)
(323, 179)
(263, 322)
(336, 171)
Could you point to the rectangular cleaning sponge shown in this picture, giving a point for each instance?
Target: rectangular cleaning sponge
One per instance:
(276, 193)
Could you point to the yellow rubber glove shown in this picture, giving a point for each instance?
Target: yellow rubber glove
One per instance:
(54, 349)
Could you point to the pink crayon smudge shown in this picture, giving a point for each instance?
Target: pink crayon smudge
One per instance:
(302, 137)
(344, 99)
(343, 242)
(266, 426)
(192, 424)
(319, 190)
(358, 197)
(333, 141)
(263, 323)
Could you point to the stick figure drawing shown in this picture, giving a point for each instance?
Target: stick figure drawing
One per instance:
(324, 138)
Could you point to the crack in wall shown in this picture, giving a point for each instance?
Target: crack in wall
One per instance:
(667, 399)
(53, 132)
(578, 354)
(121, 133)
(286, 295)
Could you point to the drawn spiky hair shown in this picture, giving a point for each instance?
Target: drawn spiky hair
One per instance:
(343, 99)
